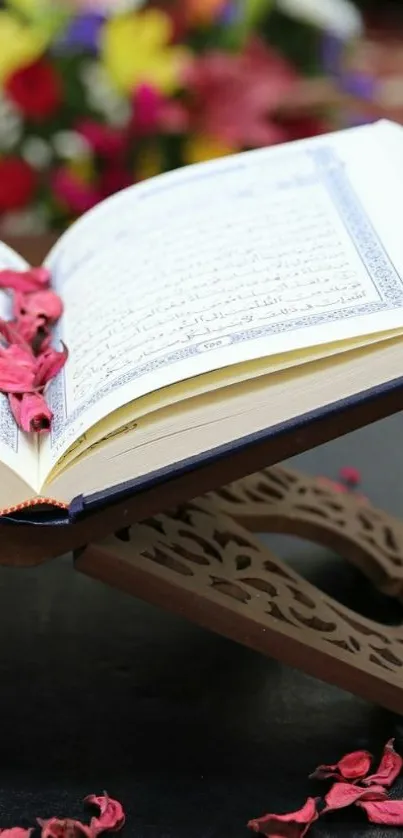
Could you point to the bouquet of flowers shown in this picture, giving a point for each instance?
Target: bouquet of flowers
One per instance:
(98, 94)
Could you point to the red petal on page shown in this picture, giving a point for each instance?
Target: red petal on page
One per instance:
(291, 825)
(11, 334)
(342, 795)
(30, 327)
(67, 828)
(17, 369)
(48, 365)
(388, 812)
(38, 304)
(111, 816)
(352, 766)
(389, 767)
(15, 832)
(34, 279)
(31, 412)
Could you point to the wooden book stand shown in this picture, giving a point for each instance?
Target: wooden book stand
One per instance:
(200, 558)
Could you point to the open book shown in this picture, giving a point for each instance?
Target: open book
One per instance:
(213, 302)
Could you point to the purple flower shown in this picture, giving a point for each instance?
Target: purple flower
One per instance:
(82, 32)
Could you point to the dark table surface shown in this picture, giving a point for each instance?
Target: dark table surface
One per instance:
(193, 734)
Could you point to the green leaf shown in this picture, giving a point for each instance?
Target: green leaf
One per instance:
(254, 10)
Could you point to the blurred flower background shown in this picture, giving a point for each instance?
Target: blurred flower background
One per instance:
(99, 94)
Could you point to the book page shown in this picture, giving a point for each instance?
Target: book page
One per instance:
(263, 253)
(17, 450)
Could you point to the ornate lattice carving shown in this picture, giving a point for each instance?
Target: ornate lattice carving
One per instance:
(201, 563)
(283, 501)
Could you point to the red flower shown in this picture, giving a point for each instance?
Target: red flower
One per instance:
(73, 192)
(234, 96)
(36, 89)
(17, 183)
(104, 140)
(113, 179)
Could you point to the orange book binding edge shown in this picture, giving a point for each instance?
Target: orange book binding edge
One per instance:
(28, 504)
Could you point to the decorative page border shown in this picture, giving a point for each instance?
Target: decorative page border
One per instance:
(329, 171)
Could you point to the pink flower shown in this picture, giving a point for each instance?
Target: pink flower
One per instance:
(152, 113)
(233, 96)
(32, 414)
(73, 192)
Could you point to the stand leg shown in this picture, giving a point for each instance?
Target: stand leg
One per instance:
(200, 563)
(280, 500)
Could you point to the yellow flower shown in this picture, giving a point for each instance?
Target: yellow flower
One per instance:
(135, 48)
(149, 163)
(82, 168)
(48, 14)
(19, 44)
(201, 148)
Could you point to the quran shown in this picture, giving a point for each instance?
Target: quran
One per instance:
(213, 303)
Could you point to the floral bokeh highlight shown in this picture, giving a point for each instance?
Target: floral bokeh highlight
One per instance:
(98, 94)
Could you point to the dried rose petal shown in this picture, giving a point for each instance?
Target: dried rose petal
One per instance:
(15, 832)
(48, 365)
(11, 334)
(291, 825)
(352, 766)
(44, 305)
(29, 328)
(31, 412)
(389, 767)
(342, 795)
(111, 815)
(17, 369)
(350, 475)
(34, 279)
(389, 812)
(66, 828)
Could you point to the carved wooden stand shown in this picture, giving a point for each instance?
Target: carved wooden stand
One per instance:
(201, 561)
